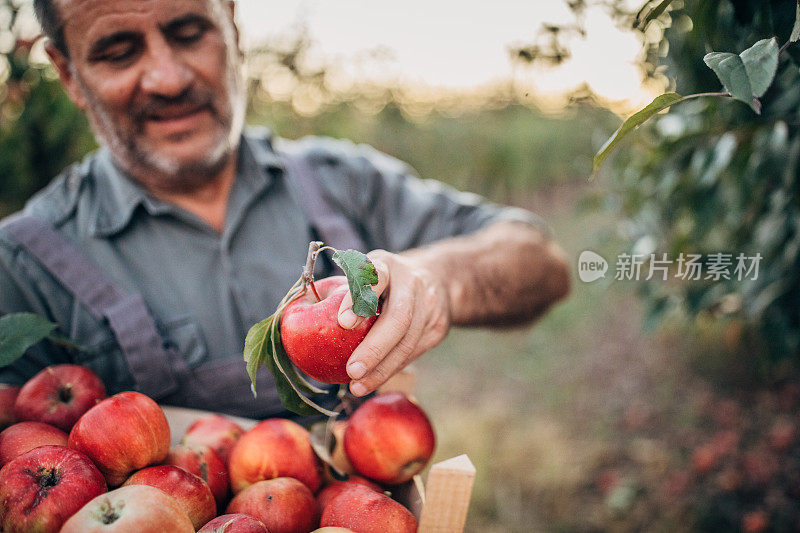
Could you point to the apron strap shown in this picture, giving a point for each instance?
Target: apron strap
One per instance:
(333, 226)
(127, 314)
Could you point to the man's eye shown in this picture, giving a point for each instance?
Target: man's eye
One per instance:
(119, 53)
(189, 32)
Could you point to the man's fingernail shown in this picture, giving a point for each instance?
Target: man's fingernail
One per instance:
(357, 370)
(358, 389)
(347, 319)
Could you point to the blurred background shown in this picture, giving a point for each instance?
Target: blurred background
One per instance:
(651, 405)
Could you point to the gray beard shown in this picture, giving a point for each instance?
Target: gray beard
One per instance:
(170, 174)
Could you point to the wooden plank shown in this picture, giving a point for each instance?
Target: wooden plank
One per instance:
(447, 494)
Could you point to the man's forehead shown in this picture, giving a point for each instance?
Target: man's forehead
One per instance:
(84, 11)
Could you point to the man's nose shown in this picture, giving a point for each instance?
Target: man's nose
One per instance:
(165, 73)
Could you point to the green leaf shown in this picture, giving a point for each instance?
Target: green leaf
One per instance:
(20, 331)
(263, 346)
(761, 63)
(360, 274)
(659, 104)
(796, 30)
(731, 71)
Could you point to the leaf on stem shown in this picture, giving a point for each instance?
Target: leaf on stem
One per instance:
(658, 104)
(731, 71)
(20, 331)
(796, 30)
(361, 274)
(761, 63)
(263, 346)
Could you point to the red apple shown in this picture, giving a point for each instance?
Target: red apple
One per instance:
(203, 462)
(25, 436)
(121, 434)
(333, 489)
(389, 438)
(136, 508)
(41, 489)
(191, 492)
(283, 504)
(234, 523)
(366, 511)
(274, 448)
(8, 395)
(215, 431)
(312, 336)
(59, 395)
(331, 529)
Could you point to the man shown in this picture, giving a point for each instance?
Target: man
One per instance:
(194, 231)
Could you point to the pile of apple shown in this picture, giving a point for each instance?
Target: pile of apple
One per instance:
(75, 461)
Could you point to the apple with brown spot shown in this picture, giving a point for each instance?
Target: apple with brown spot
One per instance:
(283, 504)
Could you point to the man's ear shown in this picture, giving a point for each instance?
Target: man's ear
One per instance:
(232, 15)
(65, 72)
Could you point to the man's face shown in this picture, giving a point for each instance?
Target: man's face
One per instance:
(160, 81)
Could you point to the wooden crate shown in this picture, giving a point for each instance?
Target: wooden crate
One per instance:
(440, 504)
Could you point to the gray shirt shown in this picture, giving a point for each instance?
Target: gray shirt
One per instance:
(204, 288)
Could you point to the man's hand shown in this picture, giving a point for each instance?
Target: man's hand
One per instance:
(415, 317)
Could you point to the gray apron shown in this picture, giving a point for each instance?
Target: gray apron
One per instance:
(158, 369)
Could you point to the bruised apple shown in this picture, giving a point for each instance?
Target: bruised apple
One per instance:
(191, 492)
(362, 509)
(41, 489)
(123, 433)
(216, 431)
(136, 508)
(234, 523)
(273, 448)
(25, 436)
(283, 504)
(203, 462)
(389, 438)
(59, 395)
(312, 336)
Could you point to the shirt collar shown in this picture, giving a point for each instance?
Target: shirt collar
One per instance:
(118, 196)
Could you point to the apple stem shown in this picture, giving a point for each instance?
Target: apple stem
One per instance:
(308, 270)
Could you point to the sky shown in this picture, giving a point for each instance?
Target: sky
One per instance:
(451, 44)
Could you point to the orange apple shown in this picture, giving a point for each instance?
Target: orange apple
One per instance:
(274, 448)
(283, 504)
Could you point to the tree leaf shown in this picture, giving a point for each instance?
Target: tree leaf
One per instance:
(761, 64)
(731, 71)
(658, 104)
(360, 274)
(796, 30)
(263, 346)
(20, 331)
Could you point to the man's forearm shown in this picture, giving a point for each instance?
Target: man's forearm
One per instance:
(506, 274)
